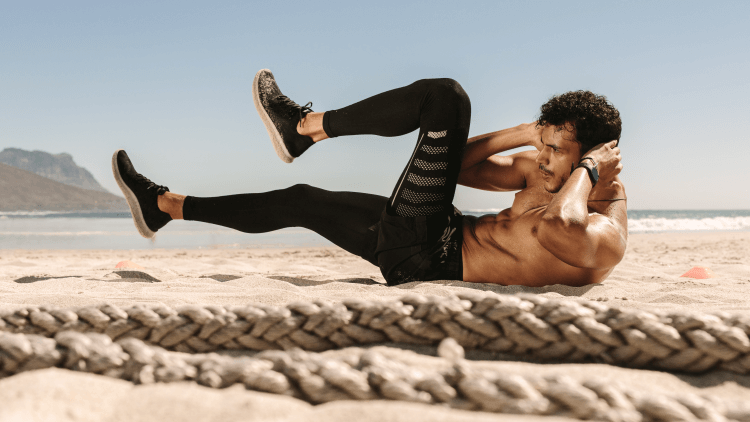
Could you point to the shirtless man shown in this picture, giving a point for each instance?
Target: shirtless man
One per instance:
(567, 224)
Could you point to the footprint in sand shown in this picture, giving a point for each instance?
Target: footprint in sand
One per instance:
(299, 281)
(136, 276)
(221, 277)
(35, 278)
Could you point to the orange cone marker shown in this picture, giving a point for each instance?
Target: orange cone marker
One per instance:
(699, 273)
(128, 264)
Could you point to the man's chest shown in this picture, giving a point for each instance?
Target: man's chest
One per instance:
(528, 199)
(535, 200)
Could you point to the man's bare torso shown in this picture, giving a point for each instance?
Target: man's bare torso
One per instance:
(504, 249)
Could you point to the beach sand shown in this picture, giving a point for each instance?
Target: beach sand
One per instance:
(648, 278)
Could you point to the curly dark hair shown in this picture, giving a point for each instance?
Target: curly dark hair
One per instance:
(594, 118)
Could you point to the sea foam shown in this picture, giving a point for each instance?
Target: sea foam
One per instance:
(646, 225)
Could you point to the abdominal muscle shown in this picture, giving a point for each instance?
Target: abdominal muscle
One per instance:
(504, 249)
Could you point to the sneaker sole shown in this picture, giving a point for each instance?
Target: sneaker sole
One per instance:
(278, 142)
(135, 207)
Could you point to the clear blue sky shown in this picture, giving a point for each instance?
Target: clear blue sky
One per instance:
(171, 83)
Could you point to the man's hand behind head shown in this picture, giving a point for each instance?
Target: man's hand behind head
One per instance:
(535, 131)
(607, 158)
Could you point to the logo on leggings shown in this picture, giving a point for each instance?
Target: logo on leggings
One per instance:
(447, 234)
(446, 238)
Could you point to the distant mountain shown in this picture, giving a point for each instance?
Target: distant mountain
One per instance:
(58, 167)
(22, 190)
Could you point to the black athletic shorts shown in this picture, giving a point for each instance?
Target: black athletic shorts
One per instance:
(422, 248)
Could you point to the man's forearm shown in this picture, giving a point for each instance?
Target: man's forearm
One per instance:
(479, 148)
(578, 238)
(569, 206)
(562, 230)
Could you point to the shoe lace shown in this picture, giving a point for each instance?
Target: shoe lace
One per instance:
(151, 185)
(293, 108)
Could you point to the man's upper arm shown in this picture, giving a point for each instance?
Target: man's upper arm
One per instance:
(600, 244)
(606, 242)
(500, 173)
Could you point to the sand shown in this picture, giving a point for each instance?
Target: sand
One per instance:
(648, 278)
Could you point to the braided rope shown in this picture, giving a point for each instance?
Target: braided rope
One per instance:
(361, 375)
(526, 325)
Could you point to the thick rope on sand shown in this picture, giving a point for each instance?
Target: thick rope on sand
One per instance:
(361, 375)
(526, 325)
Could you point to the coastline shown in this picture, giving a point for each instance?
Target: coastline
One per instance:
(40, 230)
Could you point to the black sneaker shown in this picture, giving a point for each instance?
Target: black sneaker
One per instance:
(141, 194)
(280, 115)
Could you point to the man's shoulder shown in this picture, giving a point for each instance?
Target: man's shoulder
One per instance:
(526, 155)
(525, 161)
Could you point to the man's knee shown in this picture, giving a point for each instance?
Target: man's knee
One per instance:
(445, 89)
(445, 95)
(299, 191)
(451, 89)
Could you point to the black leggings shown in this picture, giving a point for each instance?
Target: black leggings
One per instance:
(439, 108)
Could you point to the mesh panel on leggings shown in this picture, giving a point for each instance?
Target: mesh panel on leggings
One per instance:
(434, 150)
(422, 188)
(418, 198)
(426, 165)
(426, 181)
(409, 211)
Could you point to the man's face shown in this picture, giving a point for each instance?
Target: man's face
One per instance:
(559, 152)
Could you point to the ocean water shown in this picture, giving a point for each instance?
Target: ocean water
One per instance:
(52, 230)
(117, 231)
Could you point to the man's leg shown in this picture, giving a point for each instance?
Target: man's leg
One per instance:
(419, 235)
(439, 108)
(345, 218)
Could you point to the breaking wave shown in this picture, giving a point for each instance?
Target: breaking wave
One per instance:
(646, 225)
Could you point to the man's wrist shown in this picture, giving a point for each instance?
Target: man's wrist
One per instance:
(590, 159)
(590, 166)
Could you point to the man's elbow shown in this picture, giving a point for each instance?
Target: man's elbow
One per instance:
(615, 252)
(558, 230)
(569, 240)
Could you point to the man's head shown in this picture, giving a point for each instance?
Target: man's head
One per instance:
(572, 124)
